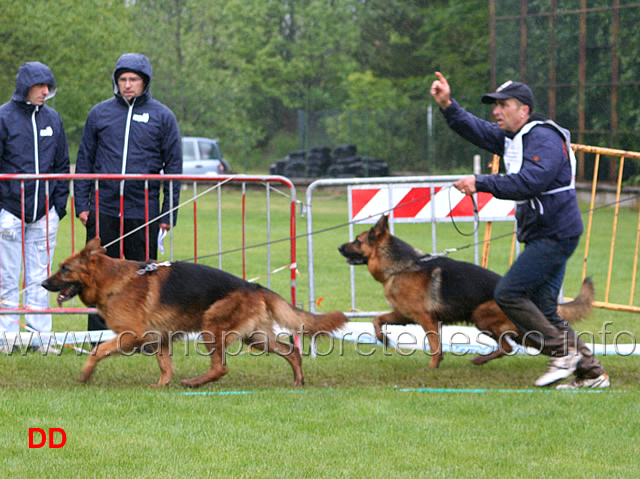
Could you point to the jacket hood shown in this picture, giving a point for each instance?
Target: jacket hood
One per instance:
(32, 73)
(132, 62)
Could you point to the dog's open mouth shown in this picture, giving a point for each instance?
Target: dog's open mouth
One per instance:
(68, 292)
(352, 257)
(356, 260)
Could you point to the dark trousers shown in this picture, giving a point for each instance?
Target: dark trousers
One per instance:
(134, 246)
(528, 295)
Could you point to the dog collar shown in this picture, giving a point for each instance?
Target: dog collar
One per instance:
(151, 267)
(429, 257)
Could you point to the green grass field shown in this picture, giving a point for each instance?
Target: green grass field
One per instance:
(361, 412)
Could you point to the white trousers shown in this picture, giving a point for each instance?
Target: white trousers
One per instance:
(38, 257)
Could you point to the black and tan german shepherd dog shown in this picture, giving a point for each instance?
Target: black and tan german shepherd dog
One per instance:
(428, 290)
(179, 298)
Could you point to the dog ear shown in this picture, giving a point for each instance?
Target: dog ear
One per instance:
(93, 246)
(383, 223)
(381, 228)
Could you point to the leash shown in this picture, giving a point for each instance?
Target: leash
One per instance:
(508, 235)
(316, 232)
(476, 222)
(476, 215)
(353, 222)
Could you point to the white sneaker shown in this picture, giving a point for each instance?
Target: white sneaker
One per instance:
(559, 368)
(601, 381)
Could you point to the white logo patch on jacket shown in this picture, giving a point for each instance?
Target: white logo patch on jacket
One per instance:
(48, 131)
(142, 118)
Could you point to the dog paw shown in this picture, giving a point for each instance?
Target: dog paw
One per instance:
(434, 364)
(479, 360)
(190, 383)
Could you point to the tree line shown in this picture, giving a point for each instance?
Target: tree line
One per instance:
(241, 70)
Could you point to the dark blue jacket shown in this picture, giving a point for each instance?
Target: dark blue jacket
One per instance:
(545, 167)
(151, 144)
(32, 140)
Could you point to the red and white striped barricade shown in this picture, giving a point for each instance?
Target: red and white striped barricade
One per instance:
(420, 203)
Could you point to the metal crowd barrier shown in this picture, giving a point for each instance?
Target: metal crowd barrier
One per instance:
(270, 183)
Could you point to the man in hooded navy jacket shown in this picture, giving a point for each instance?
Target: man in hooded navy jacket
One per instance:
(32, 140)
(131, 133)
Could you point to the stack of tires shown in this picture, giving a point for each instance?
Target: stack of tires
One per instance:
(292, 165)
(278, 167)
(296, 165)
(321, 161)
(348, 164)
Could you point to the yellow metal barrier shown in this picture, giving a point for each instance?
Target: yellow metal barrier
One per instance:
(620, 156)
(488, 227)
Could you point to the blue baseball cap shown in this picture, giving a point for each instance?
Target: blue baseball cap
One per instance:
(510, 89)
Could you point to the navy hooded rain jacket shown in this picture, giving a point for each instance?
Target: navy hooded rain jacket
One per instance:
(32, 140)
(141, 137)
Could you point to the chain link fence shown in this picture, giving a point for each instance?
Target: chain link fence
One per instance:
(581, 59)
(410, 141)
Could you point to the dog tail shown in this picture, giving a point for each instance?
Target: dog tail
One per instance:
(296, 319)
(581, 306)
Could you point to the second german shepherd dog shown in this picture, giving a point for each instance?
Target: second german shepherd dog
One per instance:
(178, 298)
(428, 290)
